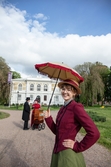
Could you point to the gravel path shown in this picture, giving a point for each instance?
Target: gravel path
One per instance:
(33, 148)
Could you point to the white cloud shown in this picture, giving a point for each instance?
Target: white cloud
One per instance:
(40, 16)
(24, 43)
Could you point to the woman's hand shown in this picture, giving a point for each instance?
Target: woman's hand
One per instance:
(68, 143)
(47, 114)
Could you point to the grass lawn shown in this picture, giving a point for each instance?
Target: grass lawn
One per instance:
(104, 127)
(4, 115)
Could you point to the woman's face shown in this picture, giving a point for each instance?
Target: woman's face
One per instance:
(67, 92)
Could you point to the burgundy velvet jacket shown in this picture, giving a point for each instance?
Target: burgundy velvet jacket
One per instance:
(69, 121)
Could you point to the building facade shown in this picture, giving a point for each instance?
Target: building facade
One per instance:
(40, 88)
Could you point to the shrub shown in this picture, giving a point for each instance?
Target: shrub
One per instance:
(96, 117)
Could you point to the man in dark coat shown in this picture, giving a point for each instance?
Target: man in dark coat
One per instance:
(26, 113)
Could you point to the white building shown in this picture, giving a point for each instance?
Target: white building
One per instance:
(40, 88)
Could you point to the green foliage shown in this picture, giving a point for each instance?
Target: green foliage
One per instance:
(15, 75)
(107, 90)
(96, 117)
(52, 107)
(93, 85)
(4, 86)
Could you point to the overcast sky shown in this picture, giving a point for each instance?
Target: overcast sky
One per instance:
(69, 31)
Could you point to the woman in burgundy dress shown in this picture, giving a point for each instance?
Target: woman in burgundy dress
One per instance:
(70, 119)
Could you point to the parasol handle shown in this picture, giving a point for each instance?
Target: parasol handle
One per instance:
(52, 95)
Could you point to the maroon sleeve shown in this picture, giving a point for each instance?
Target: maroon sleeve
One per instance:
(51, 124)
(92, 133)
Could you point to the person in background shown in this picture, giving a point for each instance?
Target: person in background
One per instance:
(26, 113)
(70, 119)
(35, 105)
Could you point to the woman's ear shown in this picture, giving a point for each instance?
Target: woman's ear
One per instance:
(75, 93)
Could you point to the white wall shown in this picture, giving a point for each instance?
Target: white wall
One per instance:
(25, 92)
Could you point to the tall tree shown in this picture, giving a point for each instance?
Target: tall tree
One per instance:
(107, 82)
(4, 86)
(93, 83)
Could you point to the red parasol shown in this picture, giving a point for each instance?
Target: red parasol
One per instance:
(58, 71)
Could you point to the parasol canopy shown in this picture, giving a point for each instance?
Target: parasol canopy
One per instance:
(57, 70)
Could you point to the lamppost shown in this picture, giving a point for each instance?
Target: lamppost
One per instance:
(10, 85)
(17, 98)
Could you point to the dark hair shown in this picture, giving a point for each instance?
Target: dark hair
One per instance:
(28, 98)
(36, 100)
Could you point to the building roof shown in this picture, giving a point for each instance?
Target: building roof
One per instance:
(33, 79)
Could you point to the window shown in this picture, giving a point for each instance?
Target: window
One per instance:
(20, 87)
(45, 88)
(38, 99)
(45, 98)
(31, 87)
(38, 87)
(31, 97)
(19, 97)
(56, 99)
